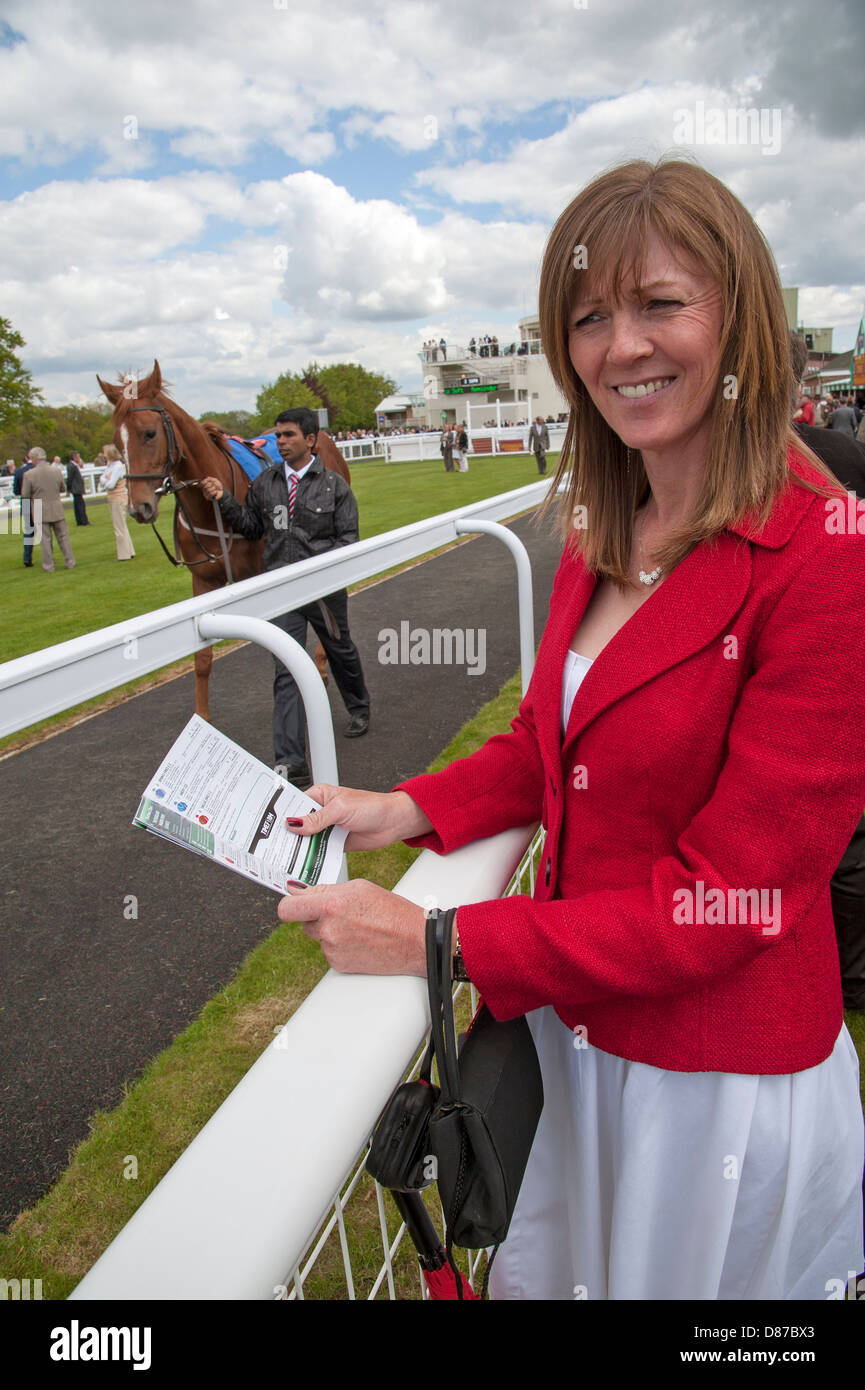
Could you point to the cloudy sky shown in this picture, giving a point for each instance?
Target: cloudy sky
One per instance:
(239, 186)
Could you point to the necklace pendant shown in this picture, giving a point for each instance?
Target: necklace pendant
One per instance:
(650, 578)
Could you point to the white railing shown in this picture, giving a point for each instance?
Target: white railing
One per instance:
(57, 678)
(370, 447)
(402, 447)
(226, 1221)
(90, 473)
(240, 1214)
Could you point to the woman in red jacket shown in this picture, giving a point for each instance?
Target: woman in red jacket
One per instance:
(692, 741)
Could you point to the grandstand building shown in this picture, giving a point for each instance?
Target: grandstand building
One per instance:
(508, 381)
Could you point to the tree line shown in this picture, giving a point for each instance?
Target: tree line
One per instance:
(346, 390)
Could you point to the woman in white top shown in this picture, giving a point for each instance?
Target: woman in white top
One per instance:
(114, 486)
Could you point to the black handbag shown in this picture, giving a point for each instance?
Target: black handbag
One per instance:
(477, 1126)
(399, 1152)
(483, 1124)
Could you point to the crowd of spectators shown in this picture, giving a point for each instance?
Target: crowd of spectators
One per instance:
(485, 346)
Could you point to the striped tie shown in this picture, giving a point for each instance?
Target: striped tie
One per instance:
(292, 493)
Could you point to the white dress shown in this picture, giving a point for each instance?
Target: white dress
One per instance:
(652, 1184)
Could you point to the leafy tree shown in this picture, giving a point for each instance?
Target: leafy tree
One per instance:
(240, 422)
(19, 398)
(346, 390)
(59, 430)
(286, 393)
(350, 392)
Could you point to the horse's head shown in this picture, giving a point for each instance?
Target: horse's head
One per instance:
(146, 437)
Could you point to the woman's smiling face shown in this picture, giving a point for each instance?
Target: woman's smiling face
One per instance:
(649, 358)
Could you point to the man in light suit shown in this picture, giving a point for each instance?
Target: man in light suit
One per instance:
(45, 484)
(539, 442)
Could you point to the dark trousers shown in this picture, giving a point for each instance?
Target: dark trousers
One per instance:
(289, 741)
(448, 456)
(848, 910)
(28, 532)
(541, 460)
(80, 511)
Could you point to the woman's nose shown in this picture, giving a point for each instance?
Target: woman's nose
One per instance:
(628, 339)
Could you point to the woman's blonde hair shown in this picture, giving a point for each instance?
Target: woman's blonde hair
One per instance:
(110, 452)
(599, 239)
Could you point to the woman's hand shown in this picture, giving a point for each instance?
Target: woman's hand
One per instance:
(373, 819)
(362, 929)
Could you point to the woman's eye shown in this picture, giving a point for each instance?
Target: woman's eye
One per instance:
(664, 303)
(588, 318)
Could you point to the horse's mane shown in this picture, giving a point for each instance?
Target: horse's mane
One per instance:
(217, 435)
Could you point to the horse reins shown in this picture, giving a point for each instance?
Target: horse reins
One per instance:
(170, 486)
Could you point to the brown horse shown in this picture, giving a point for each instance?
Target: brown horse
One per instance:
(166, 451)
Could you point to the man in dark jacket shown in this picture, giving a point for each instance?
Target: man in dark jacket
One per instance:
(301, 509)
(26, 524)
(75, 486)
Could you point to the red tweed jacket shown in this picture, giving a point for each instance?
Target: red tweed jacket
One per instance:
(716, 744)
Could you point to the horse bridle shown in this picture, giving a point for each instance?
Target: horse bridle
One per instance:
(170, 485)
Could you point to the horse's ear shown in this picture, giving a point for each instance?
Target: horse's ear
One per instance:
(113, 392)
(155, 379)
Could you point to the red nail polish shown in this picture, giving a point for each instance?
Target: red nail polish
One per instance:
(289, 821)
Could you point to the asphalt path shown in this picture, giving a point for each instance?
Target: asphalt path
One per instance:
(88, 992)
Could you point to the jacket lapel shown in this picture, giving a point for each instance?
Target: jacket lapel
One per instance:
(694, 606)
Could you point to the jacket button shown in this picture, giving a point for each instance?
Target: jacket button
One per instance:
(547, 874)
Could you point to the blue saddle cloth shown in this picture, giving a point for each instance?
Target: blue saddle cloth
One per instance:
(242, 453)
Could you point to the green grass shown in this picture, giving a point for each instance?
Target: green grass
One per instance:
(58, 1240)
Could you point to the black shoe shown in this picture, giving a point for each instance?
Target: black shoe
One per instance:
(298, 776)
(358, 725)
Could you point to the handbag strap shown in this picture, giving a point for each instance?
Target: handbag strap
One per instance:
(439, 929)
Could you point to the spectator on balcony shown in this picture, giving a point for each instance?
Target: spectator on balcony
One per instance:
(443, 349)
(472, 347)
(692, 741)
(494, 346)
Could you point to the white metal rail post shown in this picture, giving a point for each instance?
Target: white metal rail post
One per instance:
(322, 747)
(524, 588)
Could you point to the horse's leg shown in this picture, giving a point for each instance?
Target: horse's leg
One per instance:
(203, 663)
(203, 658)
